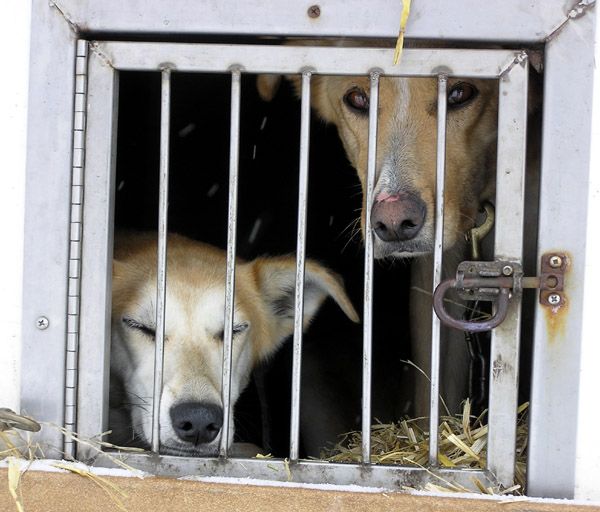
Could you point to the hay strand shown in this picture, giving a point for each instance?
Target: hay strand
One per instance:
(400, 40)
(463, 444)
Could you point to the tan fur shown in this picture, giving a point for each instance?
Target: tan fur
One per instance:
(406, 163)
(408, 140)
(264, 291)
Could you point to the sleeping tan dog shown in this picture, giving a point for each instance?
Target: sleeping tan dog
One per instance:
(403, 211)
(191, 409)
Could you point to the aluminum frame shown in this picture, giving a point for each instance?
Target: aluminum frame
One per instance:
(566, 27)
(511, 20)
(200, 58)
(558, 335)
(46, 247)
(97, 252)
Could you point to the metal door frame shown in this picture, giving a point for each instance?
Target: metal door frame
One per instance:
(51, 239)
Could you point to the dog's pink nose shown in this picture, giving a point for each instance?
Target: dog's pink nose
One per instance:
(397, 217)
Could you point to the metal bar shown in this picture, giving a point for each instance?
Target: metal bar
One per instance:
(514, 20)
(434, 409)
(303, 471)
(234, 143)
(161, 262)
(322, 60)
(300, 260)
(367, 366)
(563, 335)
(510, 203)
(97, 252)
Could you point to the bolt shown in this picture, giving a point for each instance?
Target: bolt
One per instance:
(554, 299)
(314, 11)
(507, 270)
(42, 323)
(555, 261)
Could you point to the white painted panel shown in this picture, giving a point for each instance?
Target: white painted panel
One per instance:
(14, 55)
(587, 463)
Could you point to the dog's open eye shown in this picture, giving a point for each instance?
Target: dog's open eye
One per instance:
(357, 99)
(461, 93)
(138, 326)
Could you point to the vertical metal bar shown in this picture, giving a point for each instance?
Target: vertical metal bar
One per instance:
(563, 336)
(236, 81)
(434, 410)
(300, 258)
(510, 200)
(368, 281)
(161, 264)
(93, 354)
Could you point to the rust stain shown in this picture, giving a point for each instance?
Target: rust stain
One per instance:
(556, 320)
(557, 316)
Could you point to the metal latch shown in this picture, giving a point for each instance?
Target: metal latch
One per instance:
(497, 282)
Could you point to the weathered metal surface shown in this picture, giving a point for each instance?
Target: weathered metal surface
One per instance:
(512, 20)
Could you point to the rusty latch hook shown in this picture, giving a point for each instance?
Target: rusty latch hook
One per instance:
(488, 281)
(476, 234)
(488, 324)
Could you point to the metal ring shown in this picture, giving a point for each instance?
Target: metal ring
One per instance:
(466, 325)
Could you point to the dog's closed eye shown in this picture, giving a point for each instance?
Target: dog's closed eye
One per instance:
(357, 99)
(139, 326)
(237, 329)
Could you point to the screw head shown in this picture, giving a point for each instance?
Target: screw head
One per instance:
(507, 270)
(314, 11)
(555, 261)
(554, 299)
(42, 323)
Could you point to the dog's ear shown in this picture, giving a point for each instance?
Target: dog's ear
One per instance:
(536, 72)
(276, 280)
(267, 86)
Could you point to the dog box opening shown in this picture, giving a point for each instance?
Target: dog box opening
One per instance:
(402, 224)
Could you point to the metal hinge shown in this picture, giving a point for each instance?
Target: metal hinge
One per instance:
(76, 230)
(497, 282)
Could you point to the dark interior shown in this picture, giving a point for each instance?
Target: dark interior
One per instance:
(268, 187)
(267, 214)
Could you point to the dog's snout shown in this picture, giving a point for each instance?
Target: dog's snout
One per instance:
(397, 217)
(197, 422)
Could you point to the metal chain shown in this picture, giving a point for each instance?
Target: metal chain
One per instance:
(476, 341)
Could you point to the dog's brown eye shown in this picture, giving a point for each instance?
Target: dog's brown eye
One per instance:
(461, 93)
(357, 99)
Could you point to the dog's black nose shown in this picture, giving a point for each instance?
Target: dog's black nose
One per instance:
(398, 217)
(197, 422)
